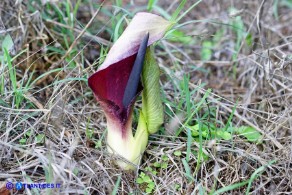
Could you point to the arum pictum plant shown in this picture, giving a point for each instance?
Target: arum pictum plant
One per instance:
(129, 70)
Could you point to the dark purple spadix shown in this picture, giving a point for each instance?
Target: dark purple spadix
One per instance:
(134, 79)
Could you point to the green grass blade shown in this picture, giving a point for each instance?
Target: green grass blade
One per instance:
(118, 26)
(188, 173)
(11, 69)
(230, 187)
(76, 8)
(162, 12)
(200, 154)
(189, 144)
(187, 93)
(178, 10)
(256, 174)
(198, 107)
(45, 74)
(188, 10)
(150, 5)
(116, 188)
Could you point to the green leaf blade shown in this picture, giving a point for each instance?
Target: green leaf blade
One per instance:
(249, 133)
(152, 107)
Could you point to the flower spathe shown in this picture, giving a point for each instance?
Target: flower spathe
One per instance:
(110, 81)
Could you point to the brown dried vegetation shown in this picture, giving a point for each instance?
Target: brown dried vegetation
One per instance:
(259, 78)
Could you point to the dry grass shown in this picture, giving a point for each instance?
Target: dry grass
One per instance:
(60, 105)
